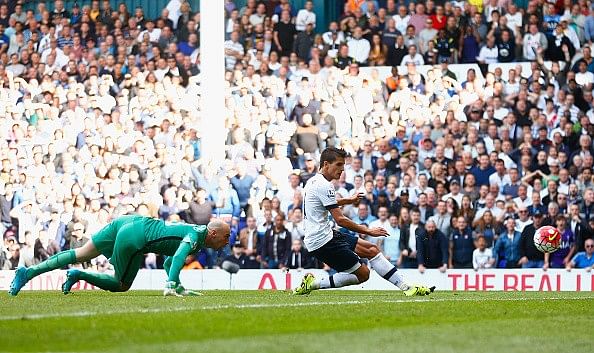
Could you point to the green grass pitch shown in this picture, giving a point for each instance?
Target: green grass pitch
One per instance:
(275, 321)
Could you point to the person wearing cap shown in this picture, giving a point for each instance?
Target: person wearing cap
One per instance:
(530, 256)
(238, 256)
(583, 259)
(426, 150)
(454, 193)
(55, 228)
(310, 168)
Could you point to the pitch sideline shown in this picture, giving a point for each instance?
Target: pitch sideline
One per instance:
(260, 306)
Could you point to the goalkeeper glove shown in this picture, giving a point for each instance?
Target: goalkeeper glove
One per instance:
(180, 290)
(174, 289)
(170, 287)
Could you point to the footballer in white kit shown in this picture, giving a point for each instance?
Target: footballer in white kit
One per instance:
(337, 250)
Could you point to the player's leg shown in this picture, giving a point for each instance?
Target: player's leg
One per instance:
(384, 268)
(338, 255)
(126, 259)
(23, 274)
(379, 263)
(167, 264)
(106, 281)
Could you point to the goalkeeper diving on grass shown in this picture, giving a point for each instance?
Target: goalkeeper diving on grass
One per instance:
(124, 241)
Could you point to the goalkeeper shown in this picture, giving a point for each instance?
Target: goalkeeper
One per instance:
(124, 241)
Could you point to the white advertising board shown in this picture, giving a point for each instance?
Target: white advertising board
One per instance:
(456, 280)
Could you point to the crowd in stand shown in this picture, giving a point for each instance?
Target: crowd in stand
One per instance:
(99, 118)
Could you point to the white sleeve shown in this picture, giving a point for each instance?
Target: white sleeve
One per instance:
(327, 196)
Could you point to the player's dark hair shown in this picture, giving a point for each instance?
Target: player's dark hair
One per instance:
(331, 154)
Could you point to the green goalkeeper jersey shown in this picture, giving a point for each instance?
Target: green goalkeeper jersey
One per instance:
(165, 238)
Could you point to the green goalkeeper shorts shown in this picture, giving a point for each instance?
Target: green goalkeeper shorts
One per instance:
(104, 240)
(128, 251)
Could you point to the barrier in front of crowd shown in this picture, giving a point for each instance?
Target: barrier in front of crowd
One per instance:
(456, 280)
(460, 70)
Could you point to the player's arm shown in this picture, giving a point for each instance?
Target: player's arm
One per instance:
(177, 261)
(350, 200)
(344, 222)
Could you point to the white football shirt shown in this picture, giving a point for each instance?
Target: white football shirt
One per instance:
(319, 197)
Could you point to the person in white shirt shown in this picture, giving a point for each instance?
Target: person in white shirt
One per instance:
(533, 40)
(490, 206)
(233, 51)
(258, 17)
(340, 251)
(153, 33)
(354, 170)
(305, 16)
(514, 17)
(333, 29)
(523, 220)
(359, 47)
(381, 222)
(488, 53)
(413, 57)
(455, 193)
(402, 19)
(482, 257)
(500, 177)
(523, 200)
(584, 77)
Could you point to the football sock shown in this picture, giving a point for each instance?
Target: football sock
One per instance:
(101, 280)
(336, 281)
(56, 261)
(167, 264)
(384, 268)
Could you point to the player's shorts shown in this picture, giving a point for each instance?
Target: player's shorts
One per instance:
(128, 253)
(339, 253)
(104, 240)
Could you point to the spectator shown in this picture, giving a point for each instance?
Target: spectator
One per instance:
(233, 51)
(305, 17)
(200, 209)
(507, 246)
(583, 259)
(276, 245)
(297, 258)
(242, 183)
(303, 42)
(461, 245)
(562, 257)
(359, 47)
(306, 139)
(238, 256)
(363, 215)
(408, 239)
(391, 248)
(432, 249)
(530, 256)
(482, 257)
(284, 34)
(442, 218)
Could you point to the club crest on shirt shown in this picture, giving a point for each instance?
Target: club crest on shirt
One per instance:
(331, 193)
